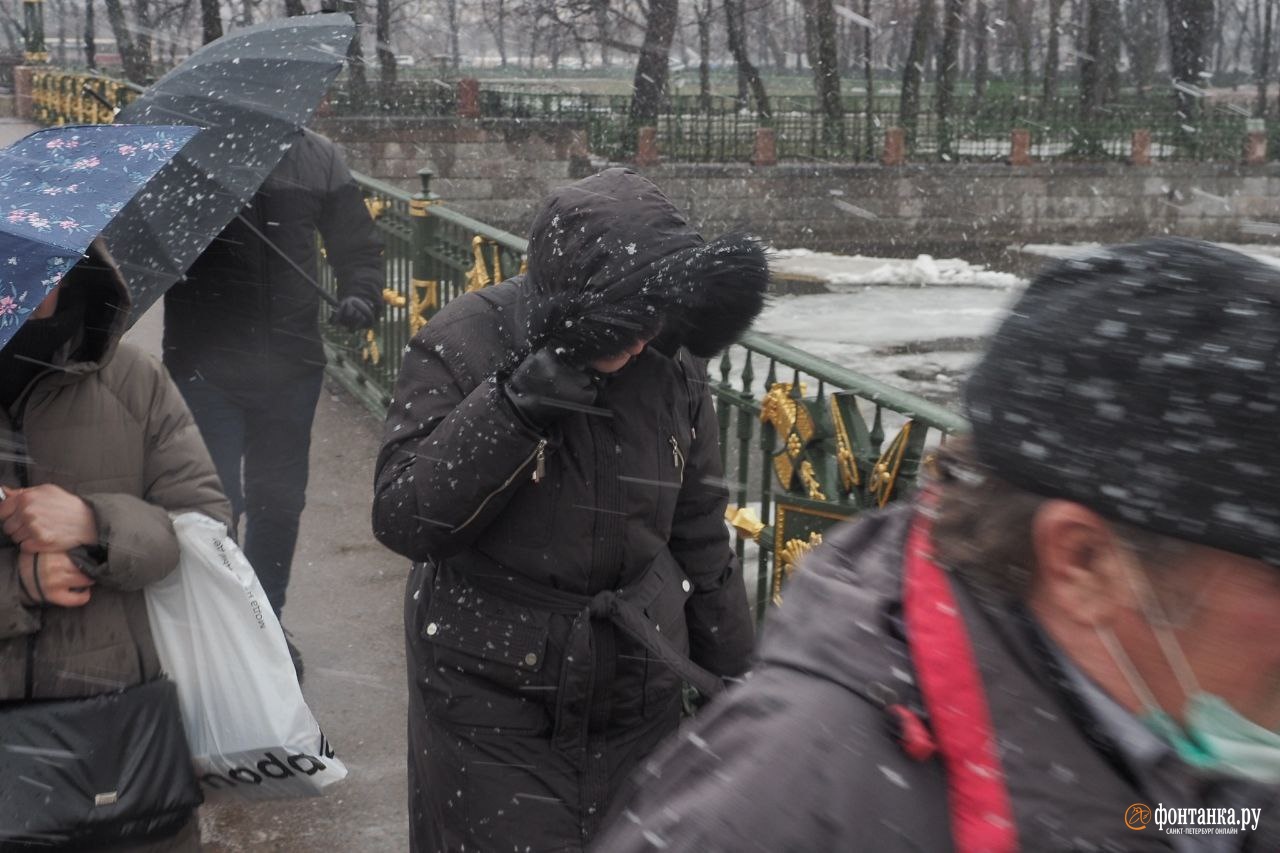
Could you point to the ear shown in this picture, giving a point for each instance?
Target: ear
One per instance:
(1080, 568)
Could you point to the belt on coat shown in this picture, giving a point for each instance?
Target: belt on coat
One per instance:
(623, 609)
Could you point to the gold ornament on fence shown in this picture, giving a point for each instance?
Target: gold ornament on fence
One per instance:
(426, 298)
(788, 558)
(370, 351)
(884, 476)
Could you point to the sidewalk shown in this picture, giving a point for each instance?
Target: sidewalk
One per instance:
(345, 606)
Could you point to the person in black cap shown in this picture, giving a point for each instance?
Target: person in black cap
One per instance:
(1068, 640)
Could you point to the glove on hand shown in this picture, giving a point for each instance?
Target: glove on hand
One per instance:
(354, 313)
(544, 388)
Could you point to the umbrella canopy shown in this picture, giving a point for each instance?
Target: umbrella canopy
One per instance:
(253, 90)
(59, 189)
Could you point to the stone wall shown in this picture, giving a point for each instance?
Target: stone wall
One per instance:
(496, 170)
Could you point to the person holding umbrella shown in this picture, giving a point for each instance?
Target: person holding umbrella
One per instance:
(98, 449)
(242, 340)
(551, 463)
(241, 332)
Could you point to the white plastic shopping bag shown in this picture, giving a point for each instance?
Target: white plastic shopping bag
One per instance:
(251, 733)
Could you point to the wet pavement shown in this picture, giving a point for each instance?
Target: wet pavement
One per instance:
(344, 610)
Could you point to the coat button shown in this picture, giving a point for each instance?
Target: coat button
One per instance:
(432, 629)
(530, 659)
(685, 585)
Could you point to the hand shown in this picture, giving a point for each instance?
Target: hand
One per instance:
(53, 579)
(544, 388)
(47, 518)
(355, 313)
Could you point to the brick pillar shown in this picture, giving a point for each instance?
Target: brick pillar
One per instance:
(895, 147)
(647, 146)
(766, 150)
(1255, 148)
(23, 84)
(468, 98)
(1140, 148)
(1020, 147)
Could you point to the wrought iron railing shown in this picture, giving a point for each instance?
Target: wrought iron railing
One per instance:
(805, 442)
(62, 97)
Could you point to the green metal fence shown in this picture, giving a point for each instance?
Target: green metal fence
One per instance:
(805, 441)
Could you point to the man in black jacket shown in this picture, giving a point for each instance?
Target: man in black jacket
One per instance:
(242, 339)
(1068, 643)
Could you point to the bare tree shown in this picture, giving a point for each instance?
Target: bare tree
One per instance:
(651, 67)
(747, 72)
(294, 8)
(913, 69)
(948, 67)
(495, 20)
(1263, 63)
(702, 17)
(1190, 39)
(210, 20)
(820, 19)
(133, 38)
(1051, 54)
(90, 36)
(387, 69)
(981, 34)
(1142, 18)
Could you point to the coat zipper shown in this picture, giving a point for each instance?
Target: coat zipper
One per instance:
(538, 457)
(677, 457)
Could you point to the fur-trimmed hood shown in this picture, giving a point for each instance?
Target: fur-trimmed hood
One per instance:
(612, 260)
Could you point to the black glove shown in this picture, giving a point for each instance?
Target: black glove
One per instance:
(544, 388)
(354, 313)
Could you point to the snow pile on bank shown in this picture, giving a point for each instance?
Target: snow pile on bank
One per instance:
(842, 271)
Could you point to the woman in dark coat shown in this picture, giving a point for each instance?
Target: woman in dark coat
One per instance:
(552, 468)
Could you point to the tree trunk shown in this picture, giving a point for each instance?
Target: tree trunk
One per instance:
(357, 78)
(826, 69)
(869, 78)
(948, 56)
(1190, 34)
(90, 34)
(703, 16)
(981, 61)
(602, 32)
(1264, 61)
(1052, 52)
(293, 8)
(135, 52)
(455, 49)
(1142, 17)
(210, 20)
(747, 73)
(386, 56)
(650, 79)
(1091, 71)
(913, 70)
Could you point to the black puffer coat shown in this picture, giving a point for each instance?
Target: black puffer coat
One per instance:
(526, 712)
(248, 310)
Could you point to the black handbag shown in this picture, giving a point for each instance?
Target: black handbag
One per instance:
(83, 773)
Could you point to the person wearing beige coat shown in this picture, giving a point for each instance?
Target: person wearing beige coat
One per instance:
(97, 448)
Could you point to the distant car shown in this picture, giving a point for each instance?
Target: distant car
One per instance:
(406, 59)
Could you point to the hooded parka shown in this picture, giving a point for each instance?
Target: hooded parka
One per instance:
(527, 707)
(104, 423)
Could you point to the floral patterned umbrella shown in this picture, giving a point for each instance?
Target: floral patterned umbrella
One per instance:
(59, 188)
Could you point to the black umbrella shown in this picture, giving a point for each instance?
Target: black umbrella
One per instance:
(254, 90)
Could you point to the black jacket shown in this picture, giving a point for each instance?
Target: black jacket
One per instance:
(636, 483)
(803, 758)
(247, 312)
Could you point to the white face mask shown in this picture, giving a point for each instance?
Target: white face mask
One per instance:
(1214, 735)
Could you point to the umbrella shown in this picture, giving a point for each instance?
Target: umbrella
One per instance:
(58, 189)
(253, 90)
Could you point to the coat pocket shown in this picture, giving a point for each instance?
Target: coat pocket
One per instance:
(666, 612)
(488, 660)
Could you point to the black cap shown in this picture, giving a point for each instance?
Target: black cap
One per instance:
(1143, 381)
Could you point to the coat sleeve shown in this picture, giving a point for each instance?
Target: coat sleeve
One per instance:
(350, 237)
(721, 634)
(15, 618)
(178, 475)
(453, 451)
